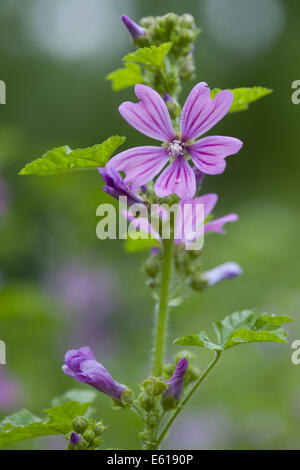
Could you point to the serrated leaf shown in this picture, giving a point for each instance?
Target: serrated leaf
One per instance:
(248, 326)
(239, 328)
(244, 96)
(201, 340)
(129, 76)
(64, 160)
(24, 425)
(153, 56)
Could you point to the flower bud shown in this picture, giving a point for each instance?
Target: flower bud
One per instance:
(134, 29)
(80, 424)
(146, 401)
(177, 379)
(220, 273)
(89, 436)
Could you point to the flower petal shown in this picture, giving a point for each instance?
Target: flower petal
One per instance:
(195, 103)
(150, 116)
(189, 221)
(209, 201)
(202, 113)
(217, 224)
(140, 164)
(208, 153)
(178, 178)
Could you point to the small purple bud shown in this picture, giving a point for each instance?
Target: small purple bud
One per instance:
(167, 97)
(155, 250)
(176, 381)
(134, 29)
(81, 365)
(75, 438)
(199, 179)
(116, 187)
(220, 273)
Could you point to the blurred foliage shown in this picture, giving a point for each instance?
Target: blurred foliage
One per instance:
(53, 100)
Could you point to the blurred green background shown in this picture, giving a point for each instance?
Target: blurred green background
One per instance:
(61, 287)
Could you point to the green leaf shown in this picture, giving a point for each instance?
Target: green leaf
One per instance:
(63, 159)
(153, 56)
(141, 244)
(126, 77)
(201, 340)
(242, 327)
(24, 425)
(248, 326)
(244, 96)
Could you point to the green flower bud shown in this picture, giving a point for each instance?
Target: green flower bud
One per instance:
(190, 356)
(154, 386)
(80, 424)
(99, 428)
(146, 401)
(168, 403)
(89, 435)
(169, 369)
(159, 387)
(82, 445)
(152, 421)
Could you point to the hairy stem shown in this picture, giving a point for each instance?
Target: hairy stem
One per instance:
(163, 307)
(188, 396)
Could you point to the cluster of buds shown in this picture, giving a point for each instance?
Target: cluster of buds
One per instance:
(87, 434)
(181, 31)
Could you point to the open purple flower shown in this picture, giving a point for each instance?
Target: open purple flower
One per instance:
(188, 225)
(177, 379)
(116, 187)
(151, 117)
(220, 273)
(134, 29)
(83, 367)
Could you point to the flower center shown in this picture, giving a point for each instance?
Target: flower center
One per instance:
(176, 148)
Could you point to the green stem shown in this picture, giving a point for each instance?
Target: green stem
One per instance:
(186, 399)
(163, 307)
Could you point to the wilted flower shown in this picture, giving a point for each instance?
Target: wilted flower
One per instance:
(151, 117)
(116, 187)
(177, 379)
(227, 270)
(82, 366)
(134, 29)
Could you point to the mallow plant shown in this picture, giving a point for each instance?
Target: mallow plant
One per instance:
(169, 172)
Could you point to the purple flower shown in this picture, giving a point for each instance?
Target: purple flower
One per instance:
(188, 227)
(227, 270)
(75, 438)
(134, 29)
(116, 187)
(83, 367)
(177, 379)
(151, 117)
